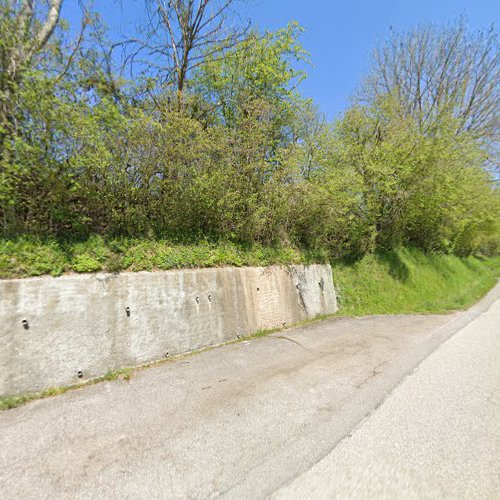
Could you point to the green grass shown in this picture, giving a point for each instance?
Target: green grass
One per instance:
(397, 282)
(409, 281)
(31, 257)
(9, 402)
(402, 281)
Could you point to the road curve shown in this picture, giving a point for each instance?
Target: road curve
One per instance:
(436, 436)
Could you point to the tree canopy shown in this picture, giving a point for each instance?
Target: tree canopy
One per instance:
(218, 142)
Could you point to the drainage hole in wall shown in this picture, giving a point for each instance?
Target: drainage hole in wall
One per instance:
(79, 374)
(25, 324)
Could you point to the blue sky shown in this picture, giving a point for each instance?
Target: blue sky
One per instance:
(339, 34)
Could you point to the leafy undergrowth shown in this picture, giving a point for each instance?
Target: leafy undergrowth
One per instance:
(400, 281)
(29, 257)
(409, 281)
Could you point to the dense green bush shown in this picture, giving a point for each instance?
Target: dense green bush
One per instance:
(245, 159)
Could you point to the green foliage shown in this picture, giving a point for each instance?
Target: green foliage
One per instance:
(407, 281)
(247, 162)
(33, 257)
(381, 183)
(260, 68)
(25, 258)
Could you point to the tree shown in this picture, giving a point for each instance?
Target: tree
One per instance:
(434, 71)
(26, 28)
(259, 67)
(179, 36)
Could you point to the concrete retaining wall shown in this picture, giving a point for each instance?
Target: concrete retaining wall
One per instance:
(53, 328)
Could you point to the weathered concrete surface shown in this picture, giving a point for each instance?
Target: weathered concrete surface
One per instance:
(96, 323)
(239, 421)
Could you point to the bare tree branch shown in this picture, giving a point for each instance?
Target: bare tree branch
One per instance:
(48, 26)
(433, 71)
(28, 29)
(180, 33)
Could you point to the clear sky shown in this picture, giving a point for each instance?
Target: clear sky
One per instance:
(339, 34)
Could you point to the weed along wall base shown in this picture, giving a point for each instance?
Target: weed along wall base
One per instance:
(59, 331)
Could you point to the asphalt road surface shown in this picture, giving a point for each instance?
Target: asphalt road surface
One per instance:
(379, 407)
(436, 436)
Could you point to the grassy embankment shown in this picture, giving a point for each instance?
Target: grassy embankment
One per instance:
(402, 281)
(409, 281)
(24, 257)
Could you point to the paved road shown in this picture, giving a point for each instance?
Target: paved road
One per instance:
(247, 420)
(436, 436)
